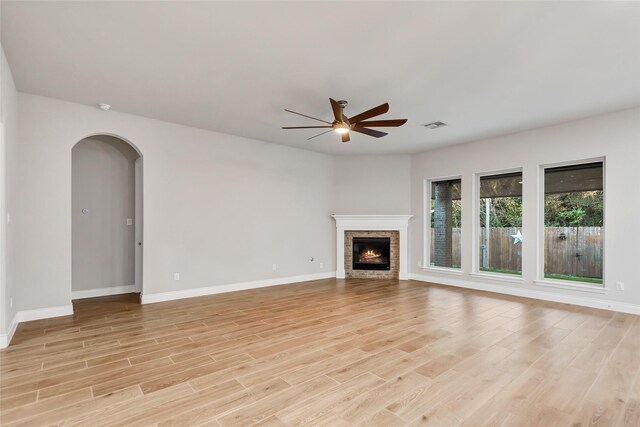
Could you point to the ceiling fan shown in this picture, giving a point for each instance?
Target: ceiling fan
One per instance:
(358, 123)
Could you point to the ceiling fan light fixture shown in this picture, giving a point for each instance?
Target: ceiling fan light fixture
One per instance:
(341, 129)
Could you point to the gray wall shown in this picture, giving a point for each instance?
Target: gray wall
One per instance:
(614, 136)
(219, 209)
(8, 191)
(103, 180)
(369, 185)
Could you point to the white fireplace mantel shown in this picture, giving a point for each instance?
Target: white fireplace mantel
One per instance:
(398, 223)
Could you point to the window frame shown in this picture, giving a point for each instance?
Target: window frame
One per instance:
(426, 240)
(561, 283)
(476, 226)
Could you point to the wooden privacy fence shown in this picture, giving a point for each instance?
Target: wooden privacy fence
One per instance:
(575, 251)
(503, 254)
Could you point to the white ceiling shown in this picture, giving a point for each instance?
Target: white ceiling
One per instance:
(484, 68)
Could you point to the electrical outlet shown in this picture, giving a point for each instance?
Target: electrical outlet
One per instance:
(176, 276)
(129, 221)
(274, 267)
(322, 265)
(620, 286)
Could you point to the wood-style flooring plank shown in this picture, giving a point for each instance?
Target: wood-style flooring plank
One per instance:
(355, 352)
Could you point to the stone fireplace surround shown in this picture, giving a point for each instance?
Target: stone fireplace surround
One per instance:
(372, 223)
(394, 257)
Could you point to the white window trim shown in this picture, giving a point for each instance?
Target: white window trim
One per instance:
(446, 270)
(426, 215)
(569, 284)
(575, 286)
(475, 228)
(502, 277)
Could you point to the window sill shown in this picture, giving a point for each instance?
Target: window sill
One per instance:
(454, 271)
(595, 288)
(510, 278)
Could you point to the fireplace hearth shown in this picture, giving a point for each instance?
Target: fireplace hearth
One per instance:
(371, 253)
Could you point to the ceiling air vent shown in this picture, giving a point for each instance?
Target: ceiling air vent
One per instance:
(435, 125)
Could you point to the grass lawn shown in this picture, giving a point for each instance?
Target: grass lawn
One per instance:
(573, 278)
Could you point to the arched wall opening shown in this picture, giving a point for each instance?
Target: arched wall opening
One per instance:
(106, 219)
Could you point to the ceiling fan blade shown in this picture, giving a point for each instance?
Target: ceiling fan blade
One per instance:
(376, 111)
(309, 117)
(345, 137)
(315, 136)
(306, 127)
(337, 110)
(370, 132)
(383, 123)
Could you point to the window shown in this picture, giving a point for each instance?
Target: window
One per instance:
(500, 223)
(446, 217)
(574, 223)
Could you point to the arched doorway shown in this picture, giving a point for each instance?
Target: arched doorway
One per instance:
(106, 194)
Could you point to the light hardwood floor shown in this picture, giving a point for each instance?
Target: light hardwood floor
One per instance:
(330, 352)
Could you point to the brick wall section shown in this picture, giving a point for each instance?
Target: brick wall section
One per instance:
(443, 225)
(394, 255)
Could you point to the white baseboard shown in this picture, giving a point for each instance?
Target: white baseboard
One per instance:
(5, 339)
(211, 290)
(44, 313)
(37, 314)
(517, 290)
(102, 292)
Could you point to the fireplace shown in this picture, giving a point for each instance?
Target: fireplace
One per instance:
(371, 253)
(392, 228)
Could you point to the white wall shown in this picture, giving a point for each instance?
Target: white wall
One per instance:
(8, 117)
(219, 209)
(103, 244)
(368, 185)
(615, 136)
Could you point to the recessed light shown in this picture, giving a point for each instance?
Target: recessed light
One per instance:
(104, 107)
(435, 125)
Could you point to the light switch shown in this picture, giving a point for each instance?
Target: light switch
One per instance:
(129, 221)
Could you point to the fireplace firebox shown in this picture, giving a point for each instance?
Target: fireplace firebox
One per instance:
(371, 253)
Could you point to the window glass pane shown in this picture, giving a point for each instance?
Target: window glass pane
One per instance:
(446, 217)
(501, 223)
(574, 223)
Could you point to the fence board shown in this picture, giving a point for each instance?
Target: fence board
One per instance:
(580, 254)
